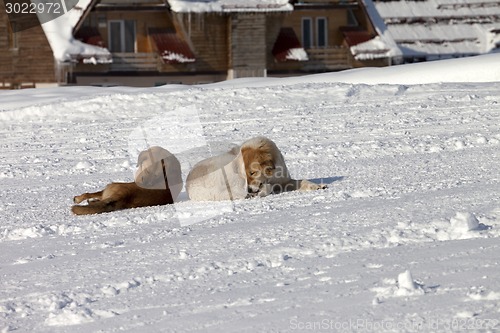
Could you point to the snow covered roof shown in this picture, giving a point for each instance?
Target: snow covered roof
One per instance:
(171, 47)
(473, 9)
(201, 6)
(442, 28)
(374, 48)
(65, 47)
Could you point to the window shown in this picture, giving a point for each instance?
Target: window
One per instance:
(321, 32)
(314, 36)
(307, 33)
(122, 36)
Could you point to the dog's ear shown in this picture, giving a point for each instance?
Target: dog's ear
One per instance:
(268, 159)
(269, 168)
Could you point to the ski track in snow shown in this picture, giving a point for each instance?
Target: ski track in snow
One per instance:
(400, 161)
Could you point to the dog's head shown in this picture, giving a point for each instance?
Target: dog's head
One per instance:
(259, 167)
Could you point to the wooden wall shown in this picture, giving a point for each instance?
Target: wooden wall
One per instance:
(207, 35)
(31, 62)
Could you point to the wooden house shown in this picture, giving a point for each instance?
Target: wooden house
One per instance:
(155, 42)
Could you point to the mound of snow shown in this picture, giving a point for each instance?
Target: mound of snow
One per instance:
(463, 222)
(405, 281)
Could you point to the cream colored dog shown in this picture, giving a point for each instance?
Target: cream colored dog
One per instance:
(256, 168)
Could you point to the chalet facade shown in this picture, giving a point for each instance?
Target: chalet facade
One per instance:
(154, 42)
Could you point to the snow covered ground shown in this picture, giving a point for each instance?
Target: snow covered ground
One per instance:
(406, 237)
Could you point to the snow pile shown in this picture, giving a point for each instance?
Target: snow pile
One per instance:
(464, 222)
(373, 49)
(492, 40)
(403, 286)
(407, 286)
(422, 73)
(297, 54)
(176, 57)
(103, 58)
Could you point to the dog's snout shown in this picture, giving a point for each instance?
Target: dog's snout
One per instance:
(254, 188)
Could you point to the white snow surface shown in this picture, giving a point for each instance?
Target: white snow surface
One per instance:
(405, 238)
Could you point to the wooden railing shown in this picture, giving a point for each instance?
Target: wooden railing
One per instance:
(334, 58)
(140, 62)
(16, 85)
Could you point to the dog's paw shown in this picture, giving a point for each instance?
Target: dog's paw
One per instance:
(251, 195)
(318, 187)
(77, 199)
(310, 186)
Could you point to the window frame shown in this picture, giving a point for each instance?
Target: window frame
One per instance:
(325, 31)
(123, 41)
(311, 35)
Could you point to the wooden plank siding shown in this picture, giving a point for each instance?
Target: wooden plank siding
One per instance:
(25, 56)
(247, 40)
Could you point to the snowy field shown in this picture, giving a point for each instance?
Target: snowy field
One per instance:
(406, 238)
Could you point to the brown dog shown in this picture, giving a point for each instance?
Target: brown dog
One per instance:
(158, 182)
(117, 196)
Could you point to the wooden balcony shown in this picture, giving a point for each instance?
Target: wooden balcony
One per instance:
(328, 59)
(135, 62)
